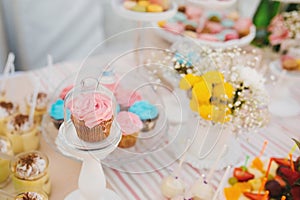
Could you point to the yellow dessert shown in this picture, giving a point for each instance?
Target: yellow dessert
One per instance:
(23, 135)
(30, 172)
(5, 147)
(40, 108)
(6, 110)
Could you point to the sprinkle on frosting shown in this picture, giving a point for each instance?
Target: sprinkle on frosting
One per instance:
(30, 196)
(57, 110)
(3, 146)
(6, 109)
(129, 122)
(19, 123)
(30, 166)
(92, 108)
(144, 110)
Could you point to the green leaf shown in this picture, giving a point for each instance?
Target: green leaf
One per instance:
(297, 142)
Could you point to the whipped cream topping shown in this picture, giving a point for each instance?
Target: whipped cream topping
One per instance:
(7, 109)
(41, 100)
(92, 108)
(30, 196)
(3, 146)
(19, 123)
(30, 166)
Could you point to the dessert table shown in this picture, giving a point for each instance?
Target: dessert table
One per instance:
(64, 171)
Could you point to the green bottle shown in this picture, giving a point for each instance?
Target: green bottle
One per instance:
(266, 10)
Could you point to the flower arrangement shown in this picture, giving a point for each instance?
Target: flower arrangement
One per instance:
(230, 92)
(284, 26)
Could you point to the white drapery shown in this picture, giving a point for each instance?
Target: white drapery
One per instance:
(66, 29)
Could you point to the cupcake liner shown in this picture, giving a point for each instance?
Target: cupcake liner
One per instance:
(128, 140)
(95, 134)
(57, 123)
(149, 124)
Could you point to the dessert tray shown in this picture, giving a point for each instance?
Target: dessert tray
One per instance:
(171, 37)
(143, 16)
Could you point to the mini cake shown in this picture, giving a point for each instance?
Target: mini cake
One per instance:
(31, 196)
(57, 113)
(147, 112)
(172, 187)
(7, 109)
(92, 116)
(202, 190)
(126, 98)
(30, 172)
(23, 135)
(41, 106)
(5, 147)
(130, 125)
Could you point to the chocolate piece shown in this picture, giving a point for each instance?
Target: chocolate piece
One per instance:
(7, 105)
(20, 120)
(181, 9)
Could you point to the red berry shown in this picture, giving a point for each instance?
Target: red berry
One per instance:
(242, 175)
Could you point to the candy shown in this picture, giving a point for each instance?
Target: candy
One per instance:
(139, 8)
(129, 4)
(144, 3)
(154, 8)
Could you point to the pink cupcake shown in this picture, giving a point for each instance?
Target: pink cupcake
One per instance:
(92, 116)
(125, 98)
(130, 125)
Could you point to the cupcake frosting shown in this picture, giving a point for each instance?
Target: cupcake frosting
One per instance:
(57, 110)
(144, 110)
(30, 166)
(30, 196)
(129, 122)
(126, 97)
(19, 123)
(92, 108)
(7, 109)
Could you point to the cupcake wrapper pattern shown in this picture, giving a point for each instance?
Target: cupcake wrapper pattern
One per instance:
(95, 134)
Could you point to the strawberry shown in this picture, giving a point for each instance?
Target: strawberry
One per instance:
(242, 175)
(253, 196)
(282, 161)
